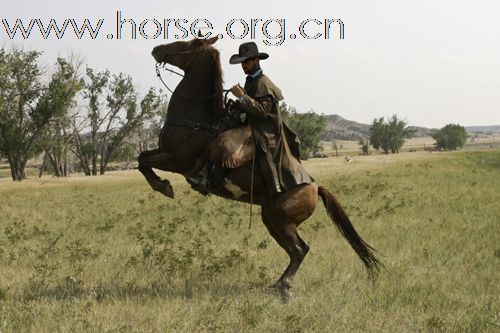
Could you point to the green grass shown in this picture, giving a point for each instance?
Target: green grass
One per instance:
(106, 254)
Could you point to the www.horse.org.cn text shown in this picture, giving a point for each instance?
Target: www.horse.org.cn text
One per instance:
(271, 31)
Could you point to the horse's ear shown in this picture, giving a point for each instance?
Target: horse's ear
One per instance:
(207, 41)
(212, 40)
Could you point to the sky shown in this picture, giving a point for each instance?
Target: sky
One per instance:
(430, 62)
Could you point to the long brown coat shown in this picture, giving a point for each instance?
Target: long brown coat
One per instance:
(277, 145)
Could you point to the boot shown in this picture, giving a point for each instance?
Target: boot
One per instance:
(198, 184)
(216, 176)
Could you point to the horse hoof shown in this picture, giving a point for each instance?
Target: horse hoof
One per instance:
(166, 189)
(283, 289)
(285, 294)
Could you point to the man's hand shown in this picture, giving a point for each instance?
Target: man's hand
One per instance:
(237, 90)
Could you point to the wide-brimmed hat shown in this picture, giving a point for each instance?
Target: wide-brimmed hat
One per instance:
(247, 51)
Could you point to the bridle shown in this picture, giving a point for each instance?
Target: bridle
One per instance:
(163, 65)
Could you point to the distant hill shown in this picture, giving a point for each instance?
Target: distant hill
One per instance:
(339, 128)
(421, 132)
(483, 129)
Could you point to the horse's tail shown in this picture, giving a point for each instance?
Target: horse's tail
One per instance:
(366, 253)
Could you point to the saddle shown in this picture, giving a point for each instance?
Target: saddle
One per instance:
(232, 147)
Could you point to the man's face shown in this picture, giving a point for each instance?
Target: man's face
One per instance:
(250, 65)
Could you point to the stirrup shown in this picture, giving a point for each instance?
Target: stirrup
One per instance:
(198, 185)
(217, 176)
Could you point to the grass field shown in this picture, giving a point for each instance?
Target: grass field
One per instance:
(106, 254)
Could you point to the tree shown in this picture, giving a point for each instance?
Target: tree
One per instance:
(87, 148)
(121, 97)
(336, 147)
(23, 117)
(390, 135)
(125, 152)
(309, 127)
(38, 114)
(364, 143)
(59, 98)
(148, 134)
(379, 135)
(451, 137)
(4, 86)
(113, 114)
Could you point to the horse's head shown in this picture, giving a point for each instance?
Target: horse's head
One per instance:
(200, 62)
(180, 53)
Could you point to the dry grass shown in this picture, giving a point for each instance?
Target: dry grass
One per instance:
(105, 254)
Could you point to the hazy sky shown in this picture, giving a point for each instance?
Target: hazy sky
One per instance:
(430, 62)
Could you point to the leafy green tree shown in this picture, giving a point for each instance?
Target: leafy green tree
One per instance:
(124, 153)
(389, 135)
(114, 114)
(364, 143)
(87, 146)
(4, 87)
(23, 117)
(451, 137)
(379, 135)
(121, 97)
(147, 136)
(336, 146)
(60, 98)
(309, 127)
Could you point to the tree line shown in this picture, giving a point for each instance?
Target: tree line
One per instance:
(70, 110)
(385, 135)
(390, 135)
(74, 117)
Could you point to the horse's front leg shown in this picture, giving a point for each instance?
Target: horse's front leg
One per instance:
(163, 161)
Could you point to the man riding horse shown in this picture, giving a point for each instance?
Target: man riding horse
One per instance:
(276, 145)
(285, 192)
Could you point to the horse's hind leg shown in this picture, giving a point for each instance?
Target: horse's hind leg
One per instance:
(287, 237)
(282, 214)
(158, 160)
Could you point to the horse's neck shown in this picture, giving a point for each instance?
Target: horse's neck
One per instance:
(197, 84)
(191, 99)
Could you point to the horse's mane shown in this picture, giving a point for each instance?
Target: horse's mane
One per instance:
(213, 60)
(218, 101)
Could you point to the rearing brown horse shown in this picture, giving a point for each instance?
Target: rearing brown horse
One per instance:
(194, 107)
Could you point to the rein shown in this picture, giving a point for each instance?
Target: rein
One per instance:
(163, 66)
(192, 125)
(251, 191)
(158, 74)
(195, 126)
